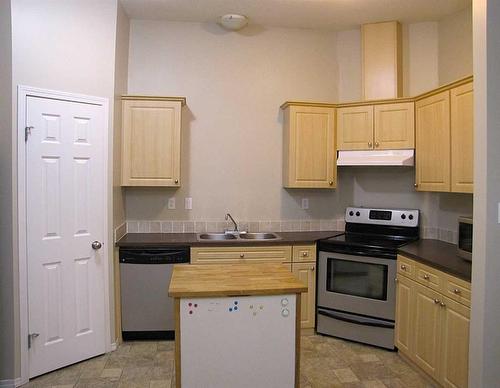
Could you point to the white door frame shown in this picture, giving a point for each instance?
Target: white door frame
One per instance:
(22, 93)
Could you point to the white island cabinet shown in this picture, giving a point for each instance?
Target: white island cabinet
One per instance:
(236, 326)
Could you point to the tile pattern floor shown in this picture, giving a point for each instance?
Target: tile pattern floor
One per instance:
(325, 362)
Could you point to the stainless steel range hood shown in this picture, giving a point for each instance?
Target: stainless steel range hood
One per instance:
(376, 158)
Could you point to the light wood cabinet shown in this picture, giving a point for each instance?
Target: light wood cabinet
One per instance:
(376, 127)
(381, 60)
(355, 128)
(432, 324)
(309, 147)
(241, 254)
(151, 142)
(306, 273)
(462, 139)
(404, 324)
(433, 143)
(394, 126)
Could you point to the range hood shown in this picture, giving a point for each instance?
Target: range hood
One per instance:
(376, 158)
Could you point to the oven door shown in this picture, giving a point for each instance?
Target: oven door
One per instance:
(357, 284)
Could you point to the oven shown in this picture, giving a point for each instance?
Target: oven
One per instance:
(356, 297)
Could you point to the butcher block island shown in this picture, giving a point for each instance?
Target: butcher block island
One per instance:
(236, 325)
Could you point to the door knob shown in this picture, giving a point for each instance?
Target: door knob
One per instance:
(96, 245)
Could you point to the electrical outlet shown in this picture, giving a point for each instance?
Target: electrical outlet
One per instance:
(188, 203)
(171, 203)
(305, 203)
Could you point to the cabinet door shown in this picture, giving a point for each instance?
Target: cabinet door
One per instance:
(309, 147)
(355, 128)
(404, 315)
(455, 344)
(151, 143)
(427, 331)
(462, 139)
(433, 143)
(306, 273)
(394, 126)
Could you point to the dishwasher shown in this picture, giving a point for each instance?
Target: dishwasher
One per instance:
(146, 309)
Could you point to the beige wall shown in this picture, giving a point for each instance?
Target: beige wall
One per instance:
(455, 46)
(484, 345)
(69, 46)
(7, 283)
(349, 62)
(232, 125)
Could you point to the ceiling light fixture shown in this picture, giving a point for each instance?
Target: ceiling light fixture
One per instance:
(233, 22)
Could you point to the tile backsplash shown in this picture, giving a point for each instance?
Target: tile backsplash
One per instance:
(181, 226)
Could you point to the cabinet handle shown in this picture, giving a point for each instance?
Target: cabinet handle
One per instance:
(426, 277)
(396, 280)
(442, 304)
(370, 144)
(242, 255)
(416, 185)
(330, 183)
(403, 267)
(176, 181)
(456, 291)
(376, 144)
(304, 254)
(312, 268)
(437, 301)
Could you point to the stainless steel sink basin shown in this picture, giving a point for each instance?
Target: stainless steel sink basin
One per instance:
(259, 236)
(216, 236)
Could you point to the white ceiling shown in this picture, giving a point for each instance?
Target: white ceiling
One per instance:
(320, 14)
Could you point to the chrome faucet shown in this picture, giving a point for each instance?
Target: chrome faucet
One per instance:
(235, 230)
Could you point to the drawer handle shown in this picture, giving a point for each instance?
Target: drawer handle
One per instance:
(403, 267)
(426, 277)
(304, 254)
(457, 291)
(437, 301)
(242, 255)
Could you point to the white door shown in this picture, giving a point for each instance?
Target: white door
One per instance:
(65, 177)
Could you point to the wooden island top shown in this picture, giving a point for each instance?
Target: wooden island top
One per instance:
(204, 280)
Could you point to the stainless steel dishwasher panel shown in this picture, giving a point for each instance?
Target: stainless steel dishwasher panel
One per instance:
(146, 309)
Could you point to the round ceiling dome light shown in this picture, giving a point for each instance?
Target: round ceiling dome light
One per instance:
(233, 21)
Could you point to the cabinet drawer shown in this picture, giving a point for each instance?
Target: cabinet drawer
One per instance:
(302, 253)
(429, 277)
(234, 255)
(406, 267)
(457, 289)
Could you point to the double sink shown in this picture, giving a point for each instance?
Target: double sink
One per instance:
(238, 236)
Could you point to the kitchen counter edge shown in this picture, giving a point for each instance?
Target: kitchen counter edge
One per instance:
(440, 255)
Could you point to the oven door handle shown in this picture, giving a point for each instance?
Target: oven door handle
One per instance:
(358, 320)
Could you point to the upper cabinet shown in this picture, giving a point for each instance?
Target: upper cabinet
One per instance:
(151, 141)
(462, 139)
(377, 126)
(445, 131)
(309, 157)
(381, 60)
(433, 143)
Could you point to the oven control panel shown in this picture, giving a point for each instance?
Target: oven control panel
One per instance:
(392, 217)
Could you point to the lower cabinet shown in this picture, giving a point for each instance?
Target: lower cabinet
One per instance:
(299, 259)
(432, 330)
(306, 273)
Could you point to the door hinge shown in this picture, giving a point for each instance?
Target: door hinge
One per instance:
(27, 132)
(31, 337)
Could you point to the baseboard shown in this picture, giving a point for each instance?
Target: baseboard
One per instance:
(11, 383)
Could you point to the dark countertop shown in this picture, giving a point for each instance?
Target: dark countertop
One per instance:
(131, 240)
(440, 255)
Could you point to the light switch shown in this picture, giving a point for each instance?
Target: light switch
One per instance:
(171, 203)
(188, 203)
(305, 203)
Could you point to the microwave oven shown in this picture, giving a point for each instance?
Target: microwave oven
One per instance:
(465, 237)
